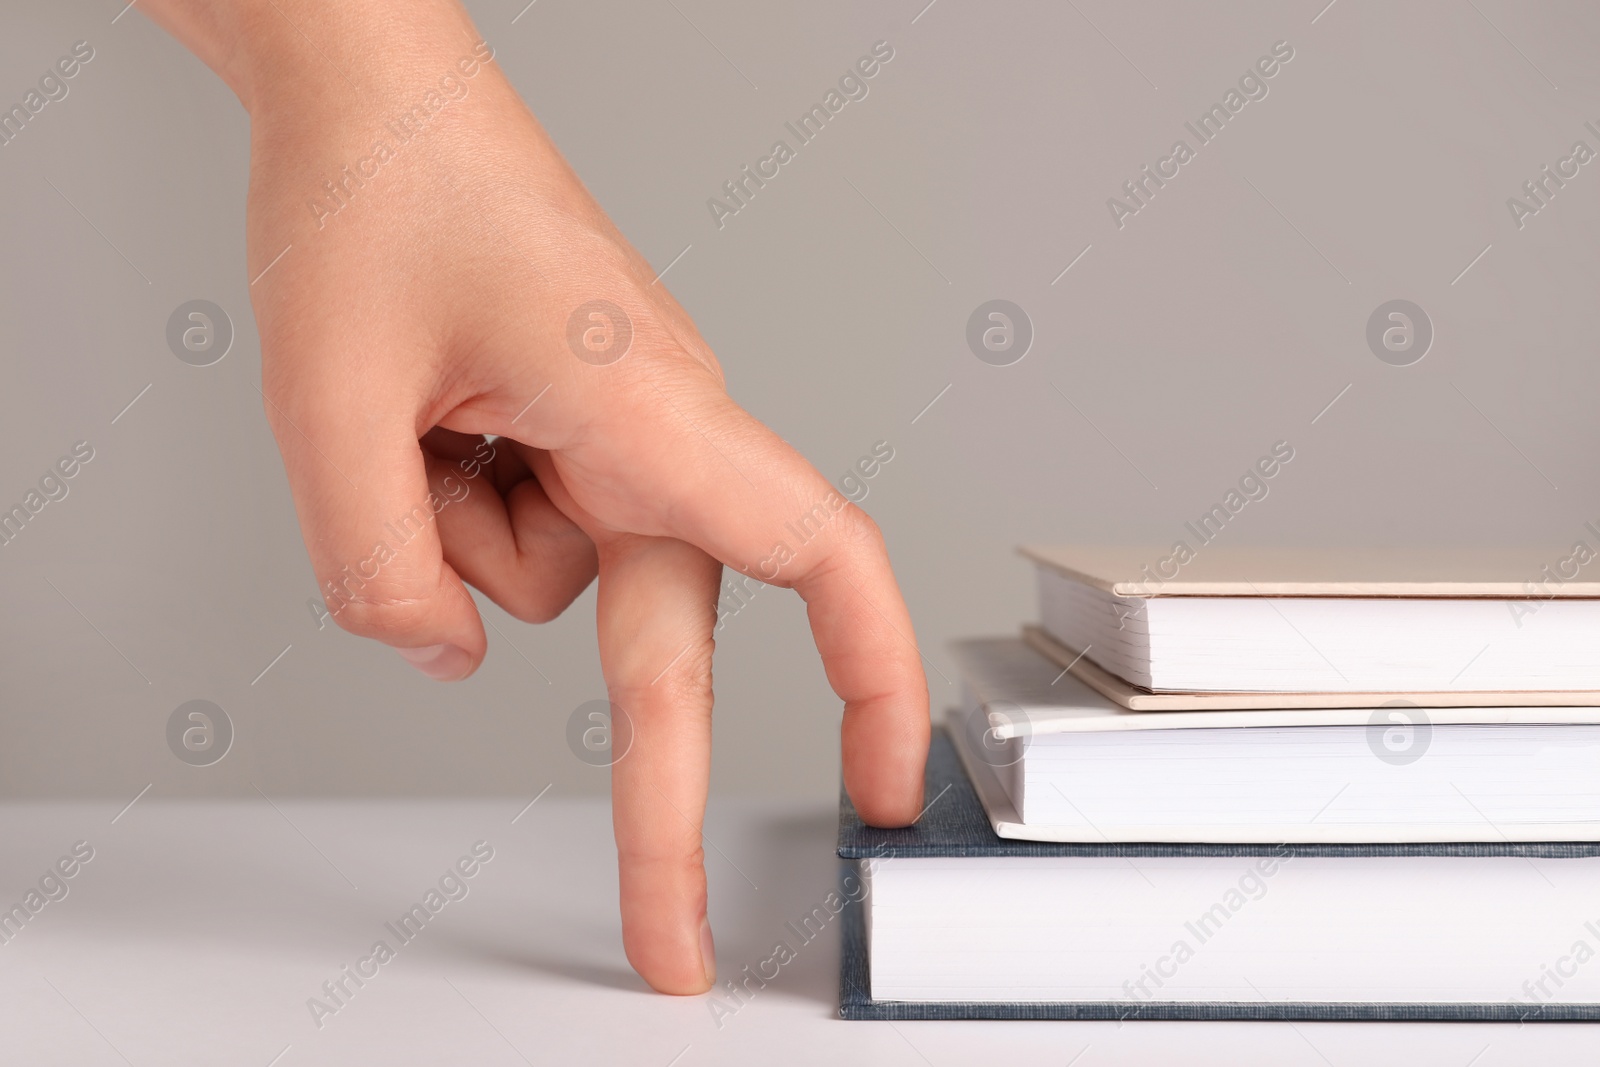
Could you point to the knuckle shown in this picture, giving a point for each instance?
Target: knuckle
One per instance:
(381, 614)
(860, 530)
(662, 694)
(676, 854)
(679, 369)
(550, 589)
(537, 607)
(703, 356)
(687, 682)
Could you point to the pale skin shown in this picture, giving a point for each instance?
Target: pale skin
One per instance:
(431, 310)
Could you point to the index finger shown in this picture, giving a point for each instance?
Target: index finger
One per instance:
(742, 495)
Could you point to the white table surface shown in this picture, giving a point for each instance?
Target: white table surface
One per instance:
(199, 930)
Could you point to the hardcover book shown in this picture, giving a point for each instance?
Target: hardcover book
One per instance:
(1053, 760)
(949, 920)
(1192, 628)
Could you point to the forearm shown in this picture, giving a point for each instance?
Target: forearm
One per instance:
(288, 49)
(340, 87)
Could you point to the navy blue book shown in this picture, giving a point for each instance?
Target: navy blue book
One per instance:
(947, 920)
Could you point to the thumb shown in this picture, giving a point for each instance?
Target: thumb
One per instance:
(368, 516)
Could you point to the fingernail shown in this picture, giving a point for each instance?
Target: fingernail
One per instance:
(708, 950)
(442, 663)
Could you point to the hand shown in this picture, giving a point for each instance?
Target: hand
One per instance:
(433, 298)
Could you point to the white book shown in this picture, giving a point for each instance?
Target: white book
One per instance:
(1476, 627)
(945, 919)
(1053, 760)
(1275, 935)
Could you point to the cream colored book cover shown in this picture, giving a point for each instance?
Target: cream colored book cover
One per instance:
(1193, 567)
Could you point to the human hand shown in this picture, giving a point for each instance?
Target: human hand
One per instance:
(447, 291)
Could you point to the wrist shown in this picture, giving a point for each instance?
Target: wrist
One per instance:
(288, 52)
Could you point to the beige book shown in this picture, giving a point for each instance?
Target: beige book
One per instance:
(1225, 570)
(1219, 627)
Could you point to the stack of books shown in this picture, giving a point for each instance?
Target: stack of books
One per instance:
(1296, 785)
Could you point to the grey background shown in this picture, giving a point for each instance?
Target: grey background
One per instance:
(1225, 316)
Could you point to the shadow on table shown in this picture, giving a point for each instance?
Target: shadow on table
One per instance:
(770, 867)
(789, 857)
(767, 874)
(586, 972)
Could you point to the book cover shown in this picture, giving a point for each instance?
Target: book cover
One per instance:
(954, 824)
(1226, 570)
